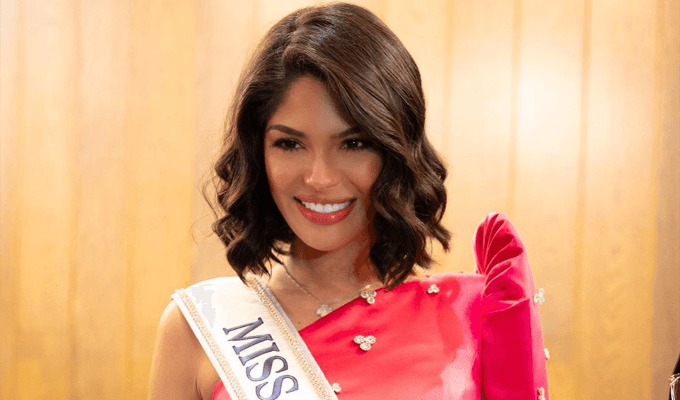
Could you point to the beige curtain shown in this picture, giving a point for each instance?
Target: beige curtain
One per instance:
(563, 114)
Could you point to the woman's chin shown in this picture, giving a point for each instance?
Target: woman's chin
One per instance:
(313, 245)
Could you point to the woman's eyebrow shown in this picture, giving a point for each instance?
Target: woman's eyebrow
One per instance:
(347, 132)
(287, 130)
(294, 132)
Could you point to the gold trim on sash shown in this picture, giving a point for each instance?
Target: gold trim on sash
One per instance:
(282, 330)
(303, 357)
(214, 348)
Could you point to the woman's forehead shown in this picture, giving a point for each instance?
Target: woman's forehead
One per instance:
(307, 106)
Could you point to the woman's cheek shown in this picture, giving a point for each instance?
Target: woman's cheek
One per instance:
(280, 172)
(368, 172)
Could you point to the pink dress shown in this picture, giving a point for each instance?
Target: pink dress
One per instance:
(447, 336)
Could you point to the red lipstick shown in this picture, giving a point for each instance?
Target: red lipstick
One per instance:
(322, 218)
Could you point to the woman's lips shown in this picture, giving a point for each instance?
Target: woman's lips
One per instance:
(325, 218)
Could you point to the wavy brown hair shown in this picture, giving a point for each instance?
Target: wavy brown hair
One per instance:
(376, 84)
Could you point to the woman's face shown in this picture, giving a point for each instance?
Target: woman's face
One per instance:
(320, 168)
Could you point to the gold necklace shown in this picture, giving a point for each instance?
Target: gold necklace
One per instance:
(326, 307)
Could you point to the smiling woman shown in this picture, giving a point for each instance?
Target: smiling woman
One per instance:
(329, 193)
(321, 181)
(367, 82)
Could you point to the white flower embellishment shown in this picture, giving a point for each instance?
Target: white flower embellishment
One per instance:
(369, 296)
(433, 289)
(539, 297)
(364, 343)
(323, 310)
(541, 393)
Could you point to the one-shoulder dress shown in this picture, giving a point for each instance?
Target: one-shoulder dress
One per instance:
(457, 336)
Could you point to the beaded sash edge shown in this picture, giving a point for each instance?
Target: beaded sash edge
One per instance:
(302, 354)
(206, 338)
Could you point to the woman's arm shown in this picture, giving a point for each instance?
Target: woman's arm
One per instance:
(175, 363)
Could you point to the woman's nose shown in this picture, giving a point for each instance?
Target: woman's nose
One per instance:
(321, 174)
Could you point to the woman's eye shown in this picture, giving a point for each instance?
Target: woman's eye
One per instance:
(354, 144)
(287, 144)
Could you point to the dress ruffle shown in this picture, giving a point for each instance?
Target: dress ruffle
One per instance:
(513, 356)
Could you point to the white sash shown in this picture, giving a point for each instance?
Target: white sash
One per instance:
(250, 341)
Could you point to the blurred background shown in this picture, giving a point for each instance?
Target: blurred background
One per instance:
(563, 114)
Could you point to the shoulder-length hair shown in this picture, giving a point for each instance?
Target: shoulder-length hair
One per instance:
(376, 85)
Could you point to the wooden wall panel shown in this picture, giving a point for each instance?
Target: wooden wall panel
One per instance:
(562, 114)
(224, 43)
(615, 273)
(159, 146)
(267, 12)
(100, 291)
(548, 133)
(478, 118)
(427, 36)
(45, 177)
(377, 7)
(666, 295)
(9, 94)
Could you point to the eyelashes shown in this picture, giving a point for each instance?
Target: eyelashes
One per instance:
(355, 144)
(287, 144)
(351, 144)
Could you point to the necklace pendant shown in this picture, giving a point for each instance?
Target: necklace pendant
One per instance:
(369, 296)
(323, 310)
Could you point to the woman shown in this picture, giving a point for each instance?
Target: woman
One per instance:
(331, 192)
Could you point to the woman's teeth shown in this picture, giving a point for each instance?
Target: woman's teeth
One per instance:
(325, 208)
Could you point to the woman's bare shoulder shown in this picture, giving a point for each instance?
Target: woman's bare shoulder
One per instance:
(175, 328)
(177, 355)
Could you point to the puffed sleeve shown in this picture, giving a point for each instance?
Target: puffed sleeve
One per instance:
(512, 353)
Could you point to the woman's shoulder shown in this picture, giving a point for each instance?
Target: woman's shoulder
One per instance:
(173, 327)
(174, 330)
(180, 365)
(177, 354)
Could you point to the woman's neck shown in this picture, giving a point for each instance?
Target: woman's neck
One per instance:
(331, 274)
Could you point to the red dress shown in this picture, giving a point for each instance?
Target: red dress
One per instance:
(447, 336)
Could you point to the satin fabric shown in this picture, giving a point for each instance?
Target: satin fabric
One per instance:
(478, 336)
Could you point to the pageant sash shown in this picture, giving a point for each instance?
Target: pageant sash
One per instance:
(250, 341)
